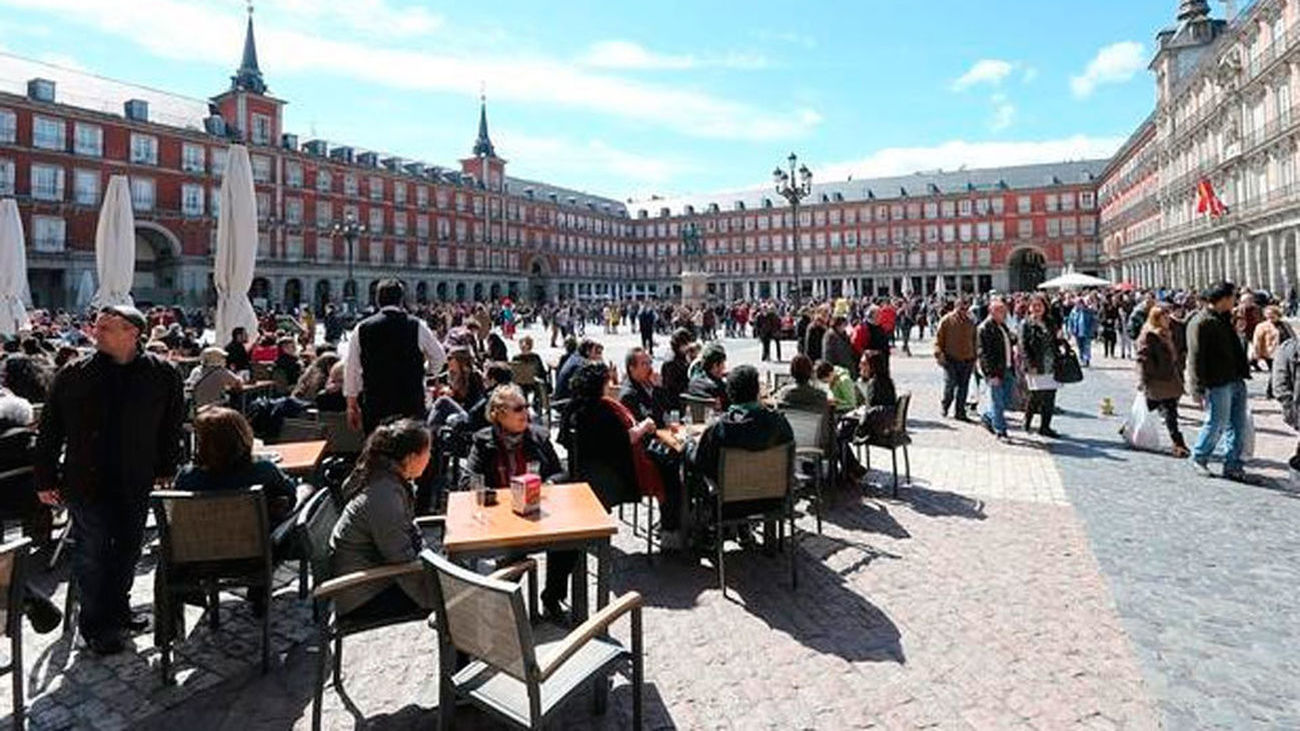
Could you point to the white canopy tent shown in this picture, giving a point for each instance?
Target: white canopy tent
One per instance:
(1071, 279)
(13, 270)
(236, 247)
(115, 245)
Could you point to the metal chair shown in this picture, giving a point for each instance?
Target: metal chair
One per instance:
(894, 439)
(209, 541)
(343, 439)
(525, 376)
(13, 586)
(699, 407)
(750, 486)
(509, 675)
(302, 430)
(814, 439)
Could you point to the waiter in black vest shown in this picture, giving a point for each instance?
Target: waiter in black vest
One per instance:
(384, 375)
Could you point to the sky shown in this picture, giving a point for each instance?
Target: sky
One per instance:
(630, 100)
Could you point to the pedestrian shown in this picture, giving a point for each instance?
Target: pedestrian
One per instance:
(1109, 321)
(110, 431)
(1082, 324)
(1159, 374)
(1038, 353)
(955, 350)
(996, 348)
(1216, 377)
(646, 323)
(1270, 334)
(836, 348)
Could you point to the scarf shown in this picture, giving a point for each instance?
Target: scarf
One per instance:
(648, 480)
(511, 460)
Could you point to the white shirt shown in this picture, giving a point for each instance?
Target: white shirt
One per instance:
(429, 345)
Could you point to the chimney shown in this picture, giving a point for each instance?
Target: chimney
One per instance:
(136, 110)
(40, 90)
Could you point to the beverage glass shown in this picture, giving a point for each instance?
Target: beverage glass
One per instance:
(534, 467)
(479, 488)
(674, 419)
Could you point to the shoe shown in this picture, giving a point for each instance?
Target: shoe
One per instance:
(105, 645)
(1003, 437)
(962, 417)
(42, 613)
(1049, 433)
(1029, 423)
(987, 424)
(553, 612)
(1235, 474)
(943, 409)
(137, 623)
(1180, 452)
(1202, 467)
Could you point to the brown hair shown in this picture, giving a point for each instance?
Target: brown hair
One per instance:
(224, 440)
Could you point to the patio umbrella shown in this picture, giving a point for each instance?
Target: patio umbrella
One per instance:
(1073, 280)
(85, 290)
(13, 270)
(115, 245)
(236, 247)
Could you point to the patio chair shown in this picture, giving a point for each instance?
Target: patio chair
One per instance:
(509, 675)
(262, 372)
(302, 430)
(753, 486)
(814, 439)
(13, 577)
(895, 439)
(525, 376)
(343, 439)
(699, 407)
(209, 541)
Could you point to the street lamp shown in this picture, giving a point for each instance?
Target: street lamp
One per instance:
(349, 228)
(794, 186)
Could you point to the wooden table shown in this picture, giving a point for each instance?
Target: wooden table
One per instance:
(571, 518)
(673, 439)
(297, 458)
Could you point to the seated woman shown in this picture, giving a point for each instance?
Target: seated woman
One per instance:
(331, 396)
(879, 399)
(463, 390)
(502, 451)
(288, 367)
(674, 373)
(209, 383)
(223, 460)
(377, 525)
(314, 378)
(801, 394)
(710, 383)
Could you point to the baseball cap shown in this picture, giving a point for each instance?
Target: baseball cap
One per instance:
(128, 313)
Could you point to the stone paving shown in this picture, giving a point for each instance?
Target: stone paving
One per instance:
(1023, 585)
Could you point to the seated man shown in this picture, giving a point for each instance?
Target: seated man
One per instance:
(589, 351)
(801, 394)
(710, 383)
(839, 384)
(640, 393)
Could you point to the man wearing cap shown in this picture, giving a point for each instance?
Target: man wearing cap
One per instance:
(116, 417)
(1216, 377)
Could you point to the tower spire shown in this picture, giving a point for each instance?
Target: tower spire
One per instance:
(483, 145)
(249, 76)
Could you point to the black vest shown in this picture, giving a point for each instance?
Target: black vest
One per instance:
(392, 367)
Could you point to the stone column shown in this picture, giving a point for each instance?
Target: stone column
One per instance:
(1273, 278)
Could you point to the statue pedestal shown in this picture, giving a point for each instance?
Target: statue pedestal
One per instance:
(695, 288)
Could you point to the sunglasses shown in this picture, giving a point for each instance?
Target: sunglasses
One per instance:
(517, 408)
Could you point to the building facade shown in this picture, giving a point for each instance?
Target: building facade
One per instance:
(1225, 112)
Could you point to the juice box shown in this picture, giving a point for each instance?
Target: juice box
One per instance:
(526, 494)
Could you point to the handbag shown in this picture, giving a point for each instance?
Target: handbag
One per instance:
(1066, 369)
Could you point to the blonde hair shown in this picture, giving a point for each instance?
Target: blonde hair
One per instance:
(1154, 316)
(502, 397)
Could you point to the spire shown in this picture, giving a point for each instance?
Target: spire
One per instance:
(249, 76)
(1193, 10)
(483, 145)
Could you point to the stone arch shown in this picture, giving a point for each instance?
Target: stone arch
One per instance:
(1026, 269)
(260, 289)
(440, 291)
(421, 292)
(460, 291)
(478, 291)
(157, 256)
(322, 294)
(494, 292)
(292, 293)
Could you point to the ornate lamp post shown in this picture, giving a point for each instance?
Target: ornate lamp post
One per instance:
(794, 186)
(349, 228)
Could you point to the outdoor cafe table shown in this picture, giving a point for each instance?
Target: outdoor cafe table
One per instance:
(673, 439)
(297, 458)
(571, 518)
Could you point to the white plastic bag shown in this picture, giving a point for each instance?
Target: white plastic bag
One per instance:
(1144, 428)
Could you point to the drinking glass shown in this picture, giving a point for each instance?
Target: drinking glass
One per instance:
(674, 420)
(479, 488)
(534, 467)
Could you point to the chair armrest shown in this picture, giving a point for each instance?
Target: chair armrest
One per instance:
(514, 570)
(816, 452)
(428, 521)
(360, 578)
(585, 632)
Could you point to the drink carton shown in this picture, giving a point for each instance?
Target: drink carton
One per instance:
(526, 494)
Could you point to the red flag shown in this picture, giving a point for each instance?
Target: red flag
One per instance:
(1207, 202)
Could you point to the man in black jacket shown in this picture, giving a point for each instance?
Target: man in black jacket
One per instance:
(116, 417)
(646, 323)
(639, 392)
(1216, 376)
(996, 345)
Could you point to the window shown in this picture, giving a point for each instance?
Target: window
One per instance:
(48, 233)
(293, 174)
(999, 231)
(1053, 228)
(8, 126)
(965, 232)
(949, 209)
(85, 187)
(964, 208)
(999, 206)
(931, 210)
(88, 139)
(47, 182)
(192, 199)
(219, 155)
(350, 184)
(1049, 203)
(376, 187)
(376, 221)
(142, 194)
(1087, 200)
(261, 129)
(399, 224)
(6, 177)
(1069, 226)
(192, 158)
(422, 197)
(144, 149)
(214, 204)
(293, 211)
(1088, 225)
(47, 133)
(324, 181)
(982, 232)
(1024, 204)
(261, 168)
(324, 214)
(422, 227)
(1025, 229)
(1067, 202)
(399, 193)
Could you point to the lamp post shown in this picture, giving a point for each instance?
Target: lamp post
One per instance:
(349, 228)
(794, 186)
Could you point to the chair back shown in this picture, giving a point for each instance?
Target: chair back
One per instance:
(745, 475)
(483, 617)
(302, 430)
(315, 525)
(699, 407)
(17, 455)
(900, 412)
(262, 371)
(524, 374)
(223, 525)
(13, 572)
(343, 439)
(812, 429)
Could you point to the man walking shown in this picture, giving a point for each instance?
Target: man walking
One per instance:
(1082, 324)
(954, 348)
(997, 365)
(1216, 377)
(115, 419)
(385, 371)
(646, 323)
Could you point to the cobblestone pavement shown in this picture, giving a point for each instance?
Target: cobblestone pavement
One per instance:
(1029, 584)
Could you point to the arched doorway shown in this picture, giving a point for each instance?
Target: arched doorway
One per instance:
(496, 292)
(421, 292)
(322, 297)
(1026, 269)
(478, 292)
(157, 252)
(460, 291)
(513, 291)
(350, 290)
(441, 291)
(260, 293)
(292, 293)
(538, 280)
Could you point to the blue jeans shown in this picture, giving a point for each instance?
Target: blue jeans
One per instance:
(1226, 416)
(109, 534)
(999, 397)
(1085, 350)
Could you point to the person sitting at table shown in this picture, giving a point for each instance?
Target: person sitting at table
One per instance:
(464, 388)
(498, 375)
(642, 399)
(314, 377)
(711, 382)
(878, 397)
(209, 383)
(223, 460)
(589, 351)
(801, 394)
(288, 366)
(331, 397)
(640, 393)
(674, 374)
(532, 360)
(838, 383)
(266, 351)
(600, 434)
(237, 357)
(377, 524)
(502, 451)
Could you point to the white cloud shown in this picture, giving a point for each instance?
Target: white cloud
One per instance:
(557, 159)
(957, 153)
(1030, 75)
(619, 54)
(1113, 64)
(371, 17)
(63, 60)
(1004, 113)
(985, 71)
(154, 25)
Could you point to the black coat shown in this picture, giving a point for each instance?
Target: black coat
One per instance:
(675, 377)
(1038, 346)
(600, 452)
(485, 452)
(1215, 354)
(752, 429)
(992, 353)
(644, 403)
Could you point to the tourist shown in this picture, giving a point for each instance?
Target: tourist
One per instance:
(767, 327)
(836, 348)
(646, 324)
(110, 430)
(287, 368)
(266, 350)
(674, 374)
(315, 377)
(1038, 353)
(26, 376)
(801, 394)
(954, 348)
(237, 357)
(589, 351)
(1216, 377)
(996, 345)
(331, 399)
(1082, 324)
(532, 361)
(710, 382)
(838, 384)
(212, 380)
(1269, 334)
(1159, 374)
(464, 388)
(879, 401)
(815, 335)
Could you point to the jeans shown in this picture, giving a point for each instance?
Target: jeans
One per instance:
(1226, 416)
(1169, 409)
(109, 534)
(1085, 350)
(999, 397)
(956, 384)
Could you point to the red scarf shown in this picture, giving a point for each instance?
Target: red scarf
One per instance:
(648, 479)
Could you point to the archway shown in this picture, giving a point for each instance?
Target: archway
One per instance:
(421, 293)
(322, 297)
(478, 292)
(495, 291)
(538, 280)
(157, 252)
(513, 291)
(460, 291)
(1026, 269)
(441, 291)
(350, 290)
(292, 293)
(260, 292)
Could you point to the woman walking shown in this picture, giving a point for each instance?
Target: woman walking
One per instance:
(1159, 373)
(1038, 353)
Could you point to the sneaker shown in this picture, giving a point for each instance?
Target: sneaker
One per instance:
(42, 613)
(1201, 467)
(987, 424)
(1236, 474)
